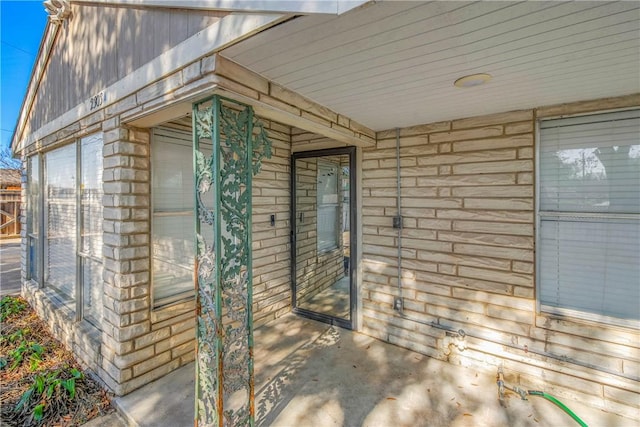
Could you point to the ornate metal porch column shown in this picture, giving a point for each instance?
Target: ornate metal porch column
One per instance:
(228, 145)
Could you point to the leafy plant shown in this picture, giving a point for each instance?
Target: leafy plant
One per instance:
(25, 349)
(29, 349)
(58, 384)
(11, 305)
(19, 334)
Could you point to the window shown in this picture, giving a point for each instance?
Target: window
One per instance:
(328, 206)
(91, 231)
(64, 224)
(589, 217)
(60, 220)
(173, 196)
(34, 196)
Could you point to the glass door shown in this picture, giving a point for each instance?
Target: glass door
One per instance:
(323, 218)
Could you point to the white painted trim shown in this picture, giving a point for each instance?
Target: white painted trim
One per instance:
(305, 7)
(600, 319)
(548, 310)
(296, 148)
(229, 30)
(181, 107)
(588, 113)
(269, 112)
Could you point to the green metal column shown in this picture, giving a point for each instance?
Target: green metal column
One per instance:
(229, 145)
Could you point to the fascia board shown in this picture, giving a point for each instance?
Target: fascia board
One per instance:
(301, 7)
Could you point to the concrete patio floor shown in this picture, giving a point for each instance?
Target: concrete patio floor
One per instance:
(312, 374)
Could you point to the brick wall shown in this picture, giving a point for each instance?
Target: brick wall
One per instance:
(127, 332)
(271, 248)
(468, 262)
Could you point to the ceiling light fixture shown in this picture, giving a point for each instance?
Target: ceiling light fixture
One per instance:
(472, 80)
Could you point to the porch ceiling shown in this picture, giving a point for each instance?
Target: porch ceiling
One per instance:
(391, 64)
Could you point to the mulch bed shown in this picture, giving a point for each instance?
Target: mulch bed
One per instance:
(65, 396)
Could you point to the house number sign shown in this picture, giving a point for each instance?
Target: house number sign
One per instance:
(97, 100)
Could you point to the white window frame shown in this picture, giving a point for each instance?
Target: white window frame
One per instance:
(181, 297)
(83, 254)
(37, 263)
(560, 311)
(67, 300)
(78, 303)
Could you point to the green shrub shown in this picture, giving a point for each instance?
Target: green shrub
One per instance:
(48, 388)
(11, 305)
(25, 349)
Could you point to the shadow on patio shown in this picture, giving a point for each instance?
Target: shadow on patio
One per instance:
(311, 374)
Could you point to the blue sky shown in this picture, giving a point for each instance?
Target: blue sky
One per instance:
(21, 26)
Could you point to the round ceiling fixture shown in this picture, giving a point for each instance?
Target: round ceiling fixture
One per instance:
(472, 80)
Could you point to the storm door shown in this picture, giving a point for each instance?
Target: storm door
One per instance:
(323, 235)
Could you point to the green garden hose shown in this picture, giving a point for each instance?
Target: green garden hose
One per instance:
(559, 404)
(502, 386)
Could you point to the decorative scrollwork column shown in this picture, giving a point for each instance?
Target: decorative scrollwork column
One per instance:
(229, 145)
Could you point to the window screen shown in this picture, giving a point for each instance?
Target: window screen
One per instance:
(60, 222)
(589, 213)
(173, 220)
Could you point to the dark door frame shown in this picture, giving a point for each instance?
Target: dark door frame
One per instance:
(353, 227)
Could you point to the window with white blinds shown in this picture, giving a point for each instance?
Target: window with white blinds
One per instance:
(173, 221)
(34, 194)
(60, 220)
(71, 224)
(589, 217)
(91, 226)
(328, 206)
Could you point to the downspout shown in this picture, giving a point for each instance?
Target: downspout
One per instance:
(398, 302)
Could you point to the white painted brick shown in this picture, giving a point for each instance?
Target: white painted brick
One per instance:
(493, 119)
(521, 127)
(133, 331)
(494, 143)
(459, 135)
(149, 364)
(494, 227)
(110, 136)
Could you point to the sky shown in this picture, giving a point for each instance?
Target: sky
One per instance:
(22, 24)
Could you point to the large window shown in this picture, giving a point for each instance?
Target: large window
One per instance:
(589, 217)
(34, 197)
(173, 221)
(90, 250)
(65, 236)
(60, 220)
